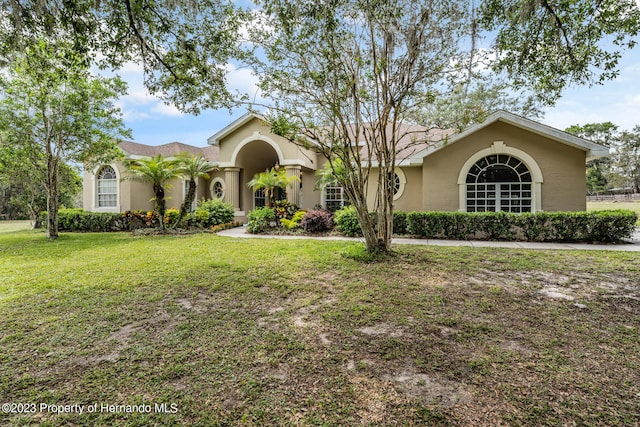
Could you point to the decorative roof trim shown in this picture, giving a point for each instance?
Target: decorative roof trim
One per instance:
(233, 126)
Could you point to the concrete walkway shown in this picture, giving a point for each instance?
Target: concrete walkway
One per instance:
(632, 245)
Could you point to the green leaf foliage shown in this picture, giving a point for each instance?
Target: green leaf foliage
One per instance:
(184, 46)
(260, 219)
(53, 110)
(597, 226)
(218, 212)
(548, 45)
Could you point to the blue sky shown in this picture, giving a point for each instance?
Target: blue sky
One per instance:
(154, 123)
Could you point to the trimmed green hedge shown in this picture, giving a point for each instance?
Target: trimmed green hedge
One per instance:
(79, 220)
(347, 223)
(596, 226)
(208, 215)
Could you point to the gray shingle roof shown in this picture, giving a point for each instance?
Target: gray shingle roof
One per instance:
(168, 150)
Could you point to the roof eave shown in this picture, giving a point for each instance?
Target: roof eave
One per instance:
(592, 149)
(236, 124)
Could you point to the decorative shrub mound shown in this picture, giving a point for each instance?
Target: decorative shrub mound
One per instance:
(213, 212)
(294, 222)
(347, 222)
(597, 226)
(260, 219)
(284, 209)
(317, 221)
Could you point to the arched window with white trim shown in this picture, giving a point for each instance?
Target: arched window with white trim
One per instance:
(499, 182)
(107, 188)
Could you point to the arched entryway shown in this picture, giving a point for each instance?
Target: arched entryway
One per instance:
(252, 158)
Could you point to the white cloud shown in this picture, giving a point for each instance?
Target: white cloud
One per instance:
(243, 81)
(162, 109)
(138, 104)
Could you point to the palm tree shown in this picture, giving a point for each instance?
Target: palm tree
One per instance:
(158, 171)
(269, 180)
(192, 168)
(328, 175)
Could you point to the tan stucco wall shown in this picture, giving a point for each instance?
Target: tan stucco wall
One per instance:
(563, 168)
(136, 195)
(255, 129)
(411, 197)
(310, 198)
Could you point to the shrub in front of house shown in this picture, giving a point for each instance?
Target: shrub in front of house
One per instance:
(600, 226)
(260, 219)
(135, 220)
(171, 216)
(213, 212)
(347, 222)
(294, 222)
(399, 222)
(284, 209)
(80, 220)
(317, 221)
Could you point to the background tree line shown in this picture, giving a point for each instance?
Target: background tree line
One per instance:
(620, 171)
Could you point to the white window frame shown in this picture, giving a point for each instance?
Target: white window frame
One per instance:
(499, 147)
(212, 185)
(335, 190)
(96, 187)
(401, 178)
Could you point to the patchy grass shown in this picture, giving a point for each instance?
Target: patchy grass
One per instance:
(280, 332)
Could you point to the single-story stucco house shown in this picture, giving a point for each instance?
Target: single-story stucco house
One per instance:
(506, 163)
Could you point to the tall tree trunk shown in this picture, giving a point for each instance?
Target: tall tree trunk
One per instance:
(161, 204)
(188, 201)
(36, 219)
(52, 198)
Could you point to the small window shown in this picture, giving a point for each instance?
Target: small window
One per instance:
(107, 188)
(217, 188)
(259, 198)
(334, 198)
(397, 184)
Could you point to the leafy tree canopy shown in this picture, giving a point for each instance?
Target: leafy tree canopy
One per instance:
(183, 45)
(54, 111)
(547, 45)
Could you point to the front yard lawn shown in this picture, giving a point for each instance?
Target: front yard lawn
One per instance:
(203, 330)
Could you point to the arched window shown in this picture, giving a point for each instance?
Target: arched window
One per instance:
(499, 182)
(107, 188)
(394, 184)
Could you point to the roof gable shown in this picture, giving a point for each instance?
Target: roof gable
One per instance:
(592, 149)
(231, 127)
